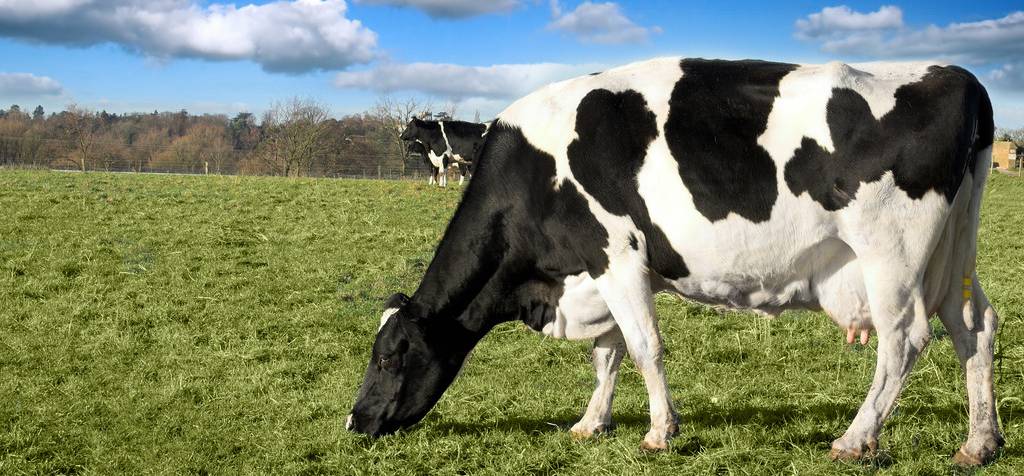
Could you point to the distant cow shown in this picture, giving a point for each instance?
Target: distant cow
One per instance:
(459, 141)
(853, 189)
(435, 163)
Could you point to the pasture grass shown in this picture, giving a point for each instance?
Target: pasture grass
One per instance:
(221, 325)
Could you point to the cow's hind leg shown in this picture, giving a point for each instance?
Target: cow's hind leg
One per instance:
(626, 288)
(974, 347)
(607, 355)
(901, 321)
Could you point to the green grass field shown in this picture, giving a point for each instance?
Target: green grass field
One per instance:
(221, 325)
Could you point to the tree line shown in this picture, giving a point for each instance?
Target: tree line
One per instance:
(1012, 135)
(295, 137)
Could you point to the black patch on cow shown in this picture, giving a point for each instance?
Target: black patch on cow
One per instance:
(926, 141)
(986, 126)
(512, 241)
(538, 300)
(614, 131)
(633, 242)
(716, 113)
(580, 238)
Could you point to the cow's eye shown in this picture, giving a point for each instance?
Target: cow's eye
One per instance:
(388, 364)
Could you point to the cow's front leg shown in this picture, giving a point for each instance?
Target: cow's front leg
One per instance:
(902, 326)
(626, 288)
(607, 355)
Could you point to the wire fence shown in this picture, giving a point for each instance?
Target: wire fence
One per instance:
(56, 154)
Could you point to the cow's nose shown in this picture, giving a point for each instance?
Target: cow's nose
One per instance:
(348, 422)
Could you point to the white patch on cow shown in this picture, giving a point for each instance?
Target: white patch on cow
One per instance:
(387, 315)
(581, 312)
(435, 160)
(877, 82)
(448, 146)
(799, 112)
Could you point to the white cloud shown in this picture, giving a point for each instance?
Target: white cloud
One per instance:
(28, 85)
(1008, 76)
(994, 47)
(451, 8)
(980, 42)
(556, 8)
(281, 36)
(599, 23)
(833, 20)
(503, 81)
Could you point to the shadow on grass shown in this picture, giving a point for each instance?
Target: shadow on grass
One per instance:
(561, 422)
(709, 416)
(773, 416)
(697, 415)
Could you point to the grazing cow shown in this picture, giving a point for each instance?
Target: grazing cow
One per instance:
(459, 141)
(853, 189)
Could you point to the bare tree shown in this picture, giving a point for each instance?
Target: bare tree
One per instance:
(450, 109)
(296, 133)
(1014, 135)
(393, 115)
(79, 129)
(146, 147)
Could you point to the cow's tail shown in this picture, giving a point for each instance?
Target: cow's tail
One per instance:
(979, 164)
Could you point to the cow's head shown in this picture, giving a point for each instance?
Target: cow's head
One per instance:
(411, 365)
(427, 133)
(413, 129)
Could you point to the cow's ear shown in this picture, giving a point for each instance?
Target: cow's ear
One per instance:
(396, 301)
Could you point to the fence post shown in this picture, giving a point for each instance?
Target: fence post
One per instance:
(206, 168)
(378, 172)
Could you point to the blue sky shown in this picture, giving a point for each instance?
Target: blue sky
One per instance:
(218, 57)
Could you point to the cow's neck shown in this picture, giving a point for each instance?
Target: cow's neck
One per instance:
(485, 269)
(468, 265)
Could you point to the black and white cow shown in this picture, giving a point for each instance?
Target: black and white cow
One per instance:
(433, 162)
(853, 189)
(425, 137)
(458, 142)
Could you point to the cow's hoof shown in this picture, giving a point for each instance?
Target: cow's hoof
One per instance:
(586, 431)
(977, 455)
(657, 439)
(654, 446)
(841, 451)
(967, 460)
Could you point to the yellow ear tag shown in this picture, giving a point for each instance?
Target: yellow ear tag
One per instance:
(968, 286)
